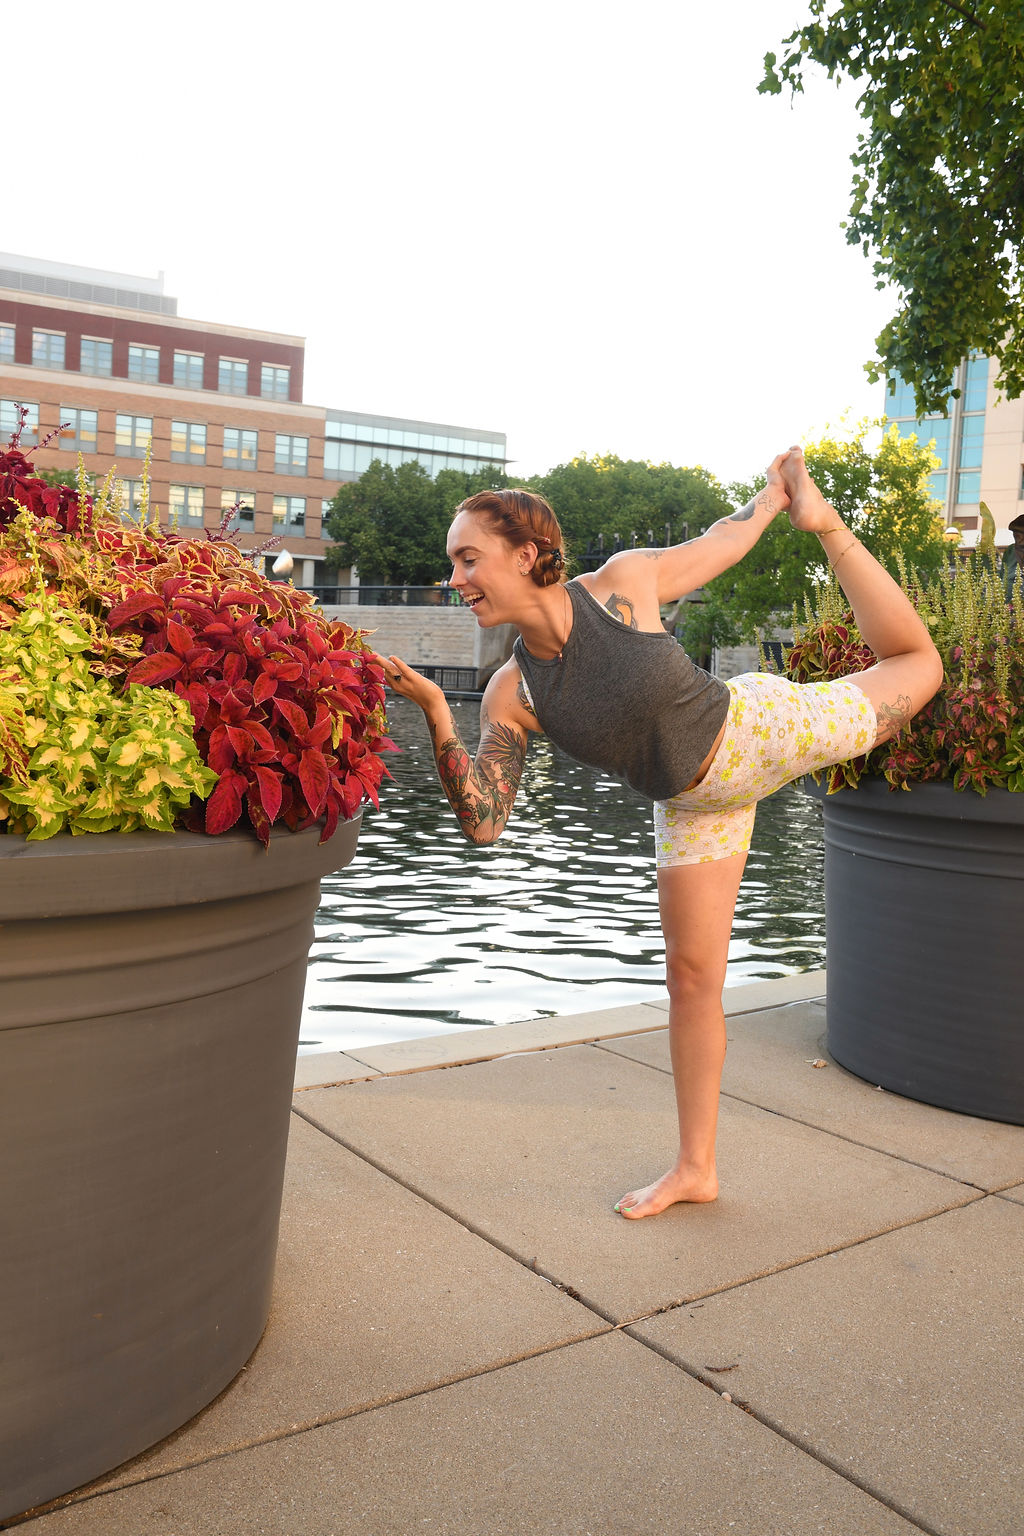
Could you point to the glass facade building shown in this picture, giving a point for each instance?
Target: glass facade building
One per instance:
(352, 442)
(957, 438)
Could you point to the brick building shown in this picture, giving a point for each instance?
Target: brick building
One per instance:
(105, 356)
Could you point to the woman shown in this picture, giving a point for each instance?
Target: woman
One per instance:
(594, 668)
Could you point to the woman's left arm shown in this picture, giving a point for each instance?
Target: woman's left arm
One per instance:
(682, 568)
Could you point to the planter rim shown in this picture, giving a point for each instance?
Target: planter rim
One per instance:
(67, 876)
(933, 799)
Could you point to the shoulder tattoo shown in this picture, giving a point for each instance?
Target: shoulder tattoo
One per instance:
(621, 608)
(523, 698)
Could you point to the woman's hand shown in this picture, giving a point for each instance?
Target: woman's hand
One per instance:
(408, 683)
(775, 488)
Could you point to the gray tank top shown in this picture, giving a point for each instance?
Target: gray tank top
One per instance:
(627, 701)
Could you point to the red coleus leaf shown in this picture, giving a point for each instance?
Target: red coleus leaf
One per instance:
(234, 667)
(240, 740)
(180, 639)
(269, 784)
(295, 716)
(315, 779)
(225, 804)
(234, 597)
(264, 688)
(261, 736)
(155, 669)
(198, 698)
(132, 607)
(257, 815)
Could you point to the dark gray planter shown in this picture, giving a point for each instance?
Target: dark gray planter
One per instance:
(150, 994)
(924, 911)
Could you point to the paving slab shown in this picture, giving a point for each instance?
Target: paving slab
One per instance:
(604, 1438)
(376, 1295)
(460, 1047)
(898, 1361)
(770, 1062)
(330, 1067)
(1016, 1193)
(755, 995)
(533, 1151)
(506, 1039)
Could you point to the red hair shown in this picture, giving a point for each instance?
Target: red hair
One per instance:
(522, 517)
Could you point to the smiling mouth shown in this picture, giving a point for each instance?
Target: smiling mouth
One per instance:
(471, 599)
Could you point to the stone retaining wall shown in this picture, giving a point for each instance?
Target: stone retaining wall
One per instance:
(445, 637)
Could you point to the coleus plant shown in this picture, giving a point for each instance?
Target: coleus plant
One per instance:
(121, 643)
(972, 731)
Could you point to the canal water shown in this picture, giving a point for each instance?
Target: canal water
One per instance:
(424, 934)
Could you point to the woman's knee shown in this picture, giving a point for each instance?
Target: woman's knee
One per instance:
(693, 978)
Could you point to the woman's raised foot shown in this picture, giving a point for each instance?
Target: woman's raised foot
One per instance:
(674, 1187)
(808, 509)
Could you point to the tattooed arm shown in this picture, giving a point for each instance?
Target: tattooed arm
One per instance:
(651, 577)
(480, 792)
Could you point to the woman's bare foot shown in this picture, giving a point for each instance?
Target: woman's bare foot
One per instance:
(808, 509)
(673, 1187)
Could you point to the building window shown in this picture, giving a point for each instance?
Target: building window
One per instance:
(48, 349)
(975, 394)
(289, 514)
(274, 382)
(144, 365)
(133, 436)
(185, 504)
(968, 487)
(188, 442)
(6, 343)
(10, 416)
(937, 485)
(233, 376)
(239, 448)
(131, 500)
(188, 370)
(78, 430)
(291, 454)
(972, 441)
(97, 357)
(242, 504)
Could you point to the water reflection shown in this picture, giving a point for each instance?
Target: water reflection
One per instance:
(425, 934)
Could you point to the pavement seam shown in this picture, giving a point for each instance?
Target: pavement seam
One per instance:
(699, 1297)
(588, 1303)
(460, 1220)
(825, 1130)
(793, 1439)
(321, 1421)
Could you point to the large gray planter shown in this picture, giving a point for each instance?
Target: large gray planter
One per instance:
(924, 911)
(150, 994)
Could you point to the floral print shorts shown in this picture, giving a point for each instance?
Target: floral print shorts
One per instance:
(775, 731)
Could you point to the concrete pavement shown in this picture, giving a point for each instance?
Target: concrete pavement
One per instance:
(466, 1339)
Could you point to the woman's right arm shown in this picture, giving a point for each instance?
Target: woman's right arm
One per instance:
(481, 792)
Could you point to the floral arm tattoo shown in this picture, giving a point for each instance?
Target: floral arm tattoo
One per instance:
(482, 793)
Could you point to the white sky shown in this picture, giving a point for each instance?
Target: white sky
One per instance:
(572, 221)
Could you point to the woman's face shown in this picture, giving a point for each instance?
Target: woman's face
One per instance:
(486, 571)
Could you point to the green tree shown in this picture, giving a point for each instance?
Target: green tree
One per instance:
(392, 523)
(885, 498)
(608, 496)
(939, 173)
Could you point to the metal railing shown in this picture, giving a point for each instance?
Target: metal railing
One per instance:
(412, 597)
(452, 679)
